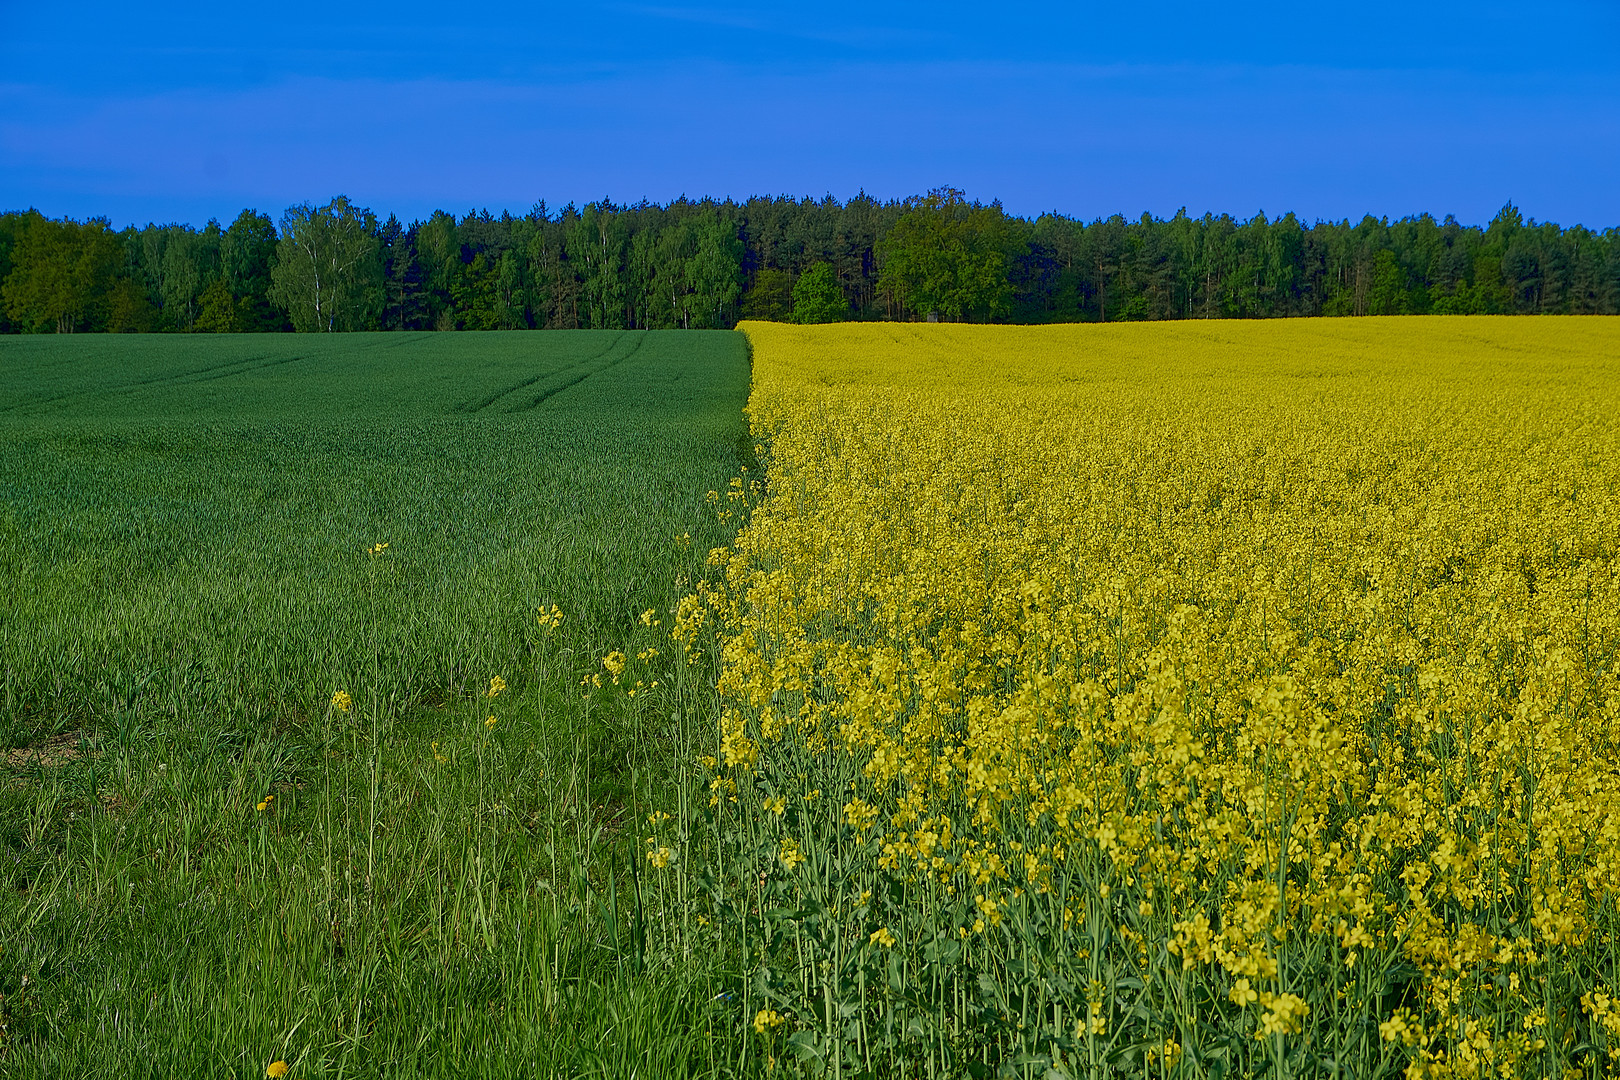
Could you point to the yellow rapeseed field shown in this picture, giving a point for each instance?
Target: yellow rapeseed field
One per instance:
(1231, 698)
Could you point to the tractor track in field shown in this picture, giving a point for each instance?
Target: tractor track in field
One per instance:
(575, 380)
(212, 372)
(484, 403)
(539, 400)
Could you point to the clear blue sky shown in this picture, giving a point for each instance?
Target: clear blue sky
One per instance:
(188, 111)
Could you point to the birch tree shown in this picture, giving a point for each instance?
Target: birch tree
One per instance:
(328, 268)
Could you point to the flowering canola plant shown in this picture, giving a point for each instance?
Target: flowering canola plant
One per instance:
(1177, 699)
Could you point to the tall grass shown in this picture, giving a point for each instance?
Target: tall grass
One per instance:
(262, 800)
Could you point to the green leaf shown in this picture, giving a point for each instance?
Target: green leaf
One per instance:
(805, 1045)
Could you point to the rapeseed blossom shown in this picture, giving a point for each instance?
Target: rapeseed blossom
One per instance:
(1265, 661)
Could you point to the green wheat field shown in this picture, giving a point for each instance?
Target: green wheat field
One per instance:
(304, 758)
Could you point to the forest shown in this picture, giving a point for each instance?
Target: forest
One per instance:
(707, 264)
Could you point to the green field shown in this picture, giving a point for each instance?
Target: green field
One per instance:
(187, 528)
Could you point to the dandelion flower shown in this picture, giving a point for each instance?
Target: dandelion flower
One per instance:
(276, 1069)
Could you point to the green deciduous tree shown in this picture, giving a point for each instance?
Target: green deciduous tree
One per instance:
(1388, 294)
(62, 273)
(247, 254)
(595, 242)
(328, 267)
(946, 254)
(185, 275)
(817, 296)
(128, 309)
(218, 312)
(9, 224)
(770, 297)
(652, 266)
(553, 286)
(714, 274)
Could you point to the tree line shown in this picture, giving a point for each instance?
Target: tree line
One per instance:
(707, 264)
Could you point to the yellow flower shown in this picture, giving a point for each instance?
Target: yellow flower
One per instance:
(859, 814)
(264, 804)
(341, 701)
(276, 1070)
(496, 685)
(1284, 1014)
(776, 805)
(660, 857)
(882, 937)
(1151, 634)
(767, 1018)
(377, 549)
(490, 722)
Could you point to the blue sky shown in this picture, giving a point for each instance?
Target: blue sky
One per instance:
(188, 111)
